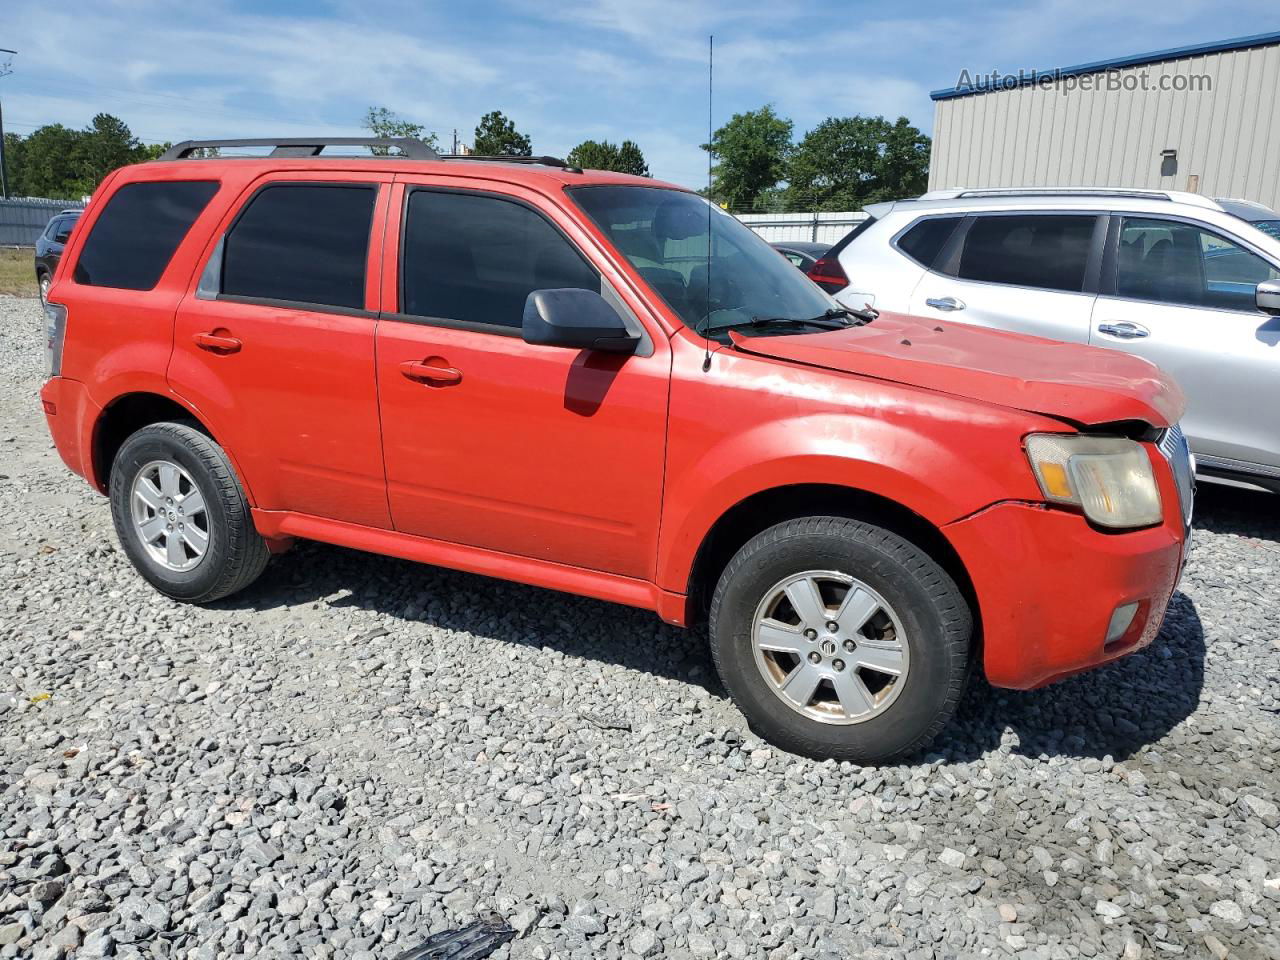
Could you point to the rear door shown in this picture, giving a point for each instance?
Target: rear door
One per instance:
(1182, 294)
(544, 452)
(1028, 272)
(276, 343)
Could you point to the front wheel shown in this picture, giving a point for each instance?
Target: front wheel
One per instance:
(839, 639)
(44, 281)
(181, 516)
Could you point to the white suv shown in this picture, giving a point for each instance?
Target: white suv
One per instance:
(1172, 277)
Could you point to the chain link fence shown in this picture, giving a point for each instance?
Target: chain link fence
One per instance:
(23, 219)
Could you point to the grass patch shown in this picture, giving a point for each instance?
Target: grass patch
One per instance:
(18, 272)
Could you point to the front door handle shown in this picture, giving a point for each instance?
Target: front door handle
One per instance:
(217, 343)
(424, 371)
(1124, 330)
(945, 303)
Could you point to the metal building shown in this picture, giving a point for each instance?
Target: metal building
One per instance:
(1200, 118)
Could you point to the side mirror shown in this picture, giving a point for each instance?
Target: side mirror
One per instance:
(1268, 297)
(579, 319)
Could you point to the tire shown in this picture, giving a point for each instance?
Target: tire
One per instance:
(921, 626)
(233, 553)
(44, 281)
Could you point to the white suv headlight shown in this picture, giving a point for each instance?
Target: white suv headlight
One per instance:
(1109, 478)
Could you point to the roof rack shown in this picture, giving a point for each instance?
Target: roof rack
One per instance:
(410, 147)
(1129, 192)
(543, 161)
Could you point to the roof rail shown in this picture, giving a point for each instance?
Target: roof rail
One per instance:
(540, 161)
(1134, 193)
(410, 147)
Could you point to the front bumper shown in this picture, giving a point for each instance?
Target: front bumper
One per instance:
(1047, 584)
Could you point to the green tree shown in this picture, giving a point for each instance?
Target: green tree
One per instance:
(751, 156)
(845, 163)
(107, 143)
(603, 155)
(496, 136)
(45, 165)
(382, 122)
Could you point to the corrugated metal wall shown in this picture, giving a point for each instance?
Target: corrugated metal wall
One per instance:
(790, 227)
(22, 219)
(1227, 137)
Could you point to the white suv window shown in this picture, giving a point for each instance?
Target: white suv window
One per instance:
(1169, 261)
(1045, 251)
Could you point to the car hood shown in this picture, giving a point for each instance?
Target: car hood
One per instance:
(1069, 381)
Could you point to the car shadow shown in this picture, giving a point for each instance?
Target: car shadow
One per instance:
(1111, 711)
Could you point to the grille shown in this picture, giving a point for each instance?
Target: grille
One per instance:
(1174, 447)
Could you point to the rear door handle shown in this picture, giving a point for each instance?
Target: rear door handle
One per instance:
(217, 343)
(945, 303)
(1124, 330)
(425, 372)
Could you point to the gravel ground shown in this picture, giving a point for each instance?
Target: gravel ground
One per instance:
(359, 751)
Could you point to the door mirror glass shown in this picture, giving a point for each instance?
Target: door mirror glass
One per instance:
(1267, 296)
(575, 318)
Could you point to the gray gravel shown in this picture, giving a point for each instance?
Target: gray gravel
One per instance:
(358, 752)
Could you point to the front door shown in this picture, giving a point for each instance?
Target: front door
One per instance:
(1184, 298)
(276, 346)
(542, 452)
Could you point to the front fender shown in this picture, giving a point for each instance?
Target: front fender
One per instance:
(936, 467)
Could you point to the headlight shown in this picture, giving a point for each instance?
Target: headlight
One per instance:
(1109, 478)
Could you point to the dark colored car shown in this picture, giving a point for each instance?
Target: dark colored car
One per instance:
(802, 253)
(49, 247)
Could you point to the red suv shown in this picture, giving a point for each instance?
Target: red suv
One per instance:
(606, 385)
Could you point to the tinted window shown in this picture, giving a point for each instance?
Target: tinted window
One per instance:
(475, 258)
(1049, 252)
(301, 243)
(925, 240)
(1172, 262)
(137, 232)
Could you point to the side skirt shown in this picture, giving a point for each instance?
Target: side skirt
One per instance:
(280, 525)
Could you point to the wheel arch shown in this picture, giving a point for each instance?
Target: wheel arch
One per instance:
(765, 508)
(129, 413)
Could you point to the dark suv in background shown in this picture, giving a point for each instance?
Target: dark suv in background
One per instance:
(49, 247)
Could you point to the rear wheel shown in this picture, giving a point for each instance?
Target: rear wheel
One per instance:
(840, 639)
(181, 515)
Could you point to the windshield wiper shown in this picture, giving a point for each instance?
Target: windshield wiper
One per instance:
(833, 319)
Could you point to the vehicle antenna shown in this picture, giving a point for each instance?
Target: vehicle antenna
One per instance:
(706, 318)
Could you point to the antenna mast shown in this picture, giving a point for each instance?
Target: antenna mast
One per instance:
(706, 319)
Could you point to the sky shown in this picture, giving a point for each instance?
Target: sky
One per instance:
(563, 71)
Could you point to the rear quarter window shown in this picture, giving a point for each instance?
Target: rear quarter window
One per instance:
(925, 239)
(139, 229)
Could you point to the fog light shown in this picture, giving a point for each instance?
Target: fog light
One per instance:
(1121, 620)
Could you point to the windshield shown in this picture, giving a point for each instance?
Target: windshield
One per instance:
(663, 233)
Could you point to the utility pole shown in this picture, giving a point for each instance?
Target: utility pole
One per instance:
(5, 70)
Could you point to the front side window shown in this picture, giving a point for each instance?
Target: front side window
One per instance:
(711, 270)
(476, 258)
(1046, 251)
(301, 243)
(1173, 262)
(135, 236)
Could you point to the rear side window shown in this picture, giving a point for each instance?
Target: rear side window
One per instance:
(477, 258)
(1045, 251)
(925, 240)
(301, 243)
(137, 232)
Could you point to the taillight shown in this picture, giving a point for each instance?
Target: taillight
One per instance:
(829, 275)
(55, 316)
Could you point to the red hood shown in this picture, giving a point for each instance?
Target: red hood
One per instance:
(1069, 381)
